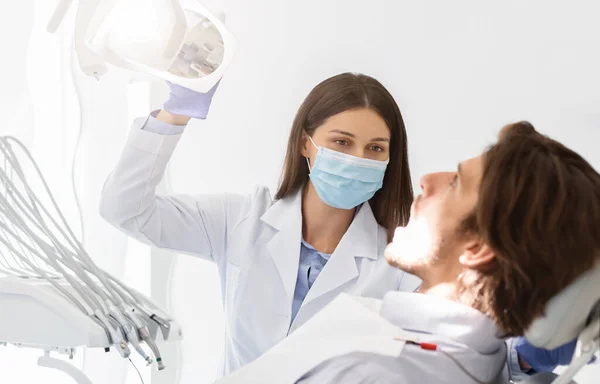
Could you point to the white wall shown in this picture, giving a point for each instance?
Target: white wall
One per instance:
(458, 69)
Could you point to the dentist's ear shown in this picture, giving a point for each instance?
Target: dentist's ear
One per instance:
(477, 254)
(305, 149)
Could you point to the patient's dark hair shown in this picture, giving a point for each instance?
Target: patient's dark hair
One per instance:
(539, 210)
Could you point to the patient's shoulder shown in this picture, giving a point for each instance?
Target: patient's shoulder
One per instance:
(353, 368)
(413, 365)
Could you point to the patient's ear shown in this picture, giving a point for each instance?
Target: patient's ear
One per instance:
(477, 254)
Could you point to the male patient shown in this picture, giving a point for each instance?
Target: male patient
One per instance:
(492, 242)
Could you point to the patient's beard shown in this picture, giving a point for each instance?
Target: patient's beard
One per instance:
(414, 248)
(433, 259)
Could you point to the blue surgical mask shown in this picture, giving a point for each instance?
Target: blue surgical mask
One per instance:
(344, 181)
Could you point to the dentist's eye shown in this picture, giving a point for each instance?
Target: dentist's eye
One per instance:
(341, 142)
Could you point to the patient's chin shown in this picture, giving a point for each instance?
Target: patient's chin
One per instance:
(407, 261)
(411, 248)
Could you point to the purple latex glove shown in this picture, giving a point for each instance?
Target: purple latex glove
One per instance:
(543, 360)
(185, 102)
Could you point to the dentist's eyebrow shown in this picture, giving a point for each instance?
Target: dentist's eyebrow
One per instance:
(342, 132)
(382, 139)
(379, 139)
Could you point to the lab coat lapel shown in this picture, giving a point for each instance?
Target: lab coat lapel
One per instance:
(284, 247)
(360, 240)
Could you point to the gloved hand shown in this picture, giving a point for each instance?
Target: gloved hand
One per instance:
(543, 360)
(185, 102)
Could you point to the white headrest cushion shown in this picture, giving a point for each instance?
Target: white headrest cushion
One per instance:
(566, 313)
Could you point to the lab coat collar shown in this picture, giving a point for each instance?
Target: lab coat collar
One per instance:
(285, 216)
(360, 240)
(441, 317)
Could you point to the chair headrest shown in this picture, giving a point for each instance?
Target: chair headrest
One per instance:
(567, 313)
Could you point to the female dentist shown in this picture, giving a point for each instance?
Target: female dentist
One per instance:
(346, 186)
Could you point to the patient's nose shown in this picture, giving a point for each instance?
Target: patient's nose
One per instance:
(427, 182)
(431, 183)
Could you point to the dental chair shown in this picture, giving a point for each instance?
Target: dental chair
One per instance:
(572, 314)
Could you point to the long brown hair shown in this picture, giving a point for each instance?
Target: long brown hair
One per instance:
(344, 92)
(539, 210)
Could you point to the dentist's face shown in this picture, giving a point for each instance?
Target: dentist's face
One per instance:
(359, 132)
(433, 240)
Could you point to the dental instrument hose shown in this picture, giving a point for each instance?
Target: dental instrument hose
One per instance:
(139, 332)
(26, 221)
(45, 247)
(142, 329)
(30, 219)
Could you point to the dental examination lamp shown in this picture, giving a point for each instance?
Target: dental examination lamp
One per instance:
(187, 46)
(572, 314)
(52, 295)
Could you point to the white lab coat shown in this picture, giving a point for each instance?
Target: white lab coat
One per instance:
(254, 240)
(358, 340)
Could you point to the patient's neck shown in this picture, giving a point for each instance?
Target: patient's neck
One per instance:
(445, 290)
(441, 280)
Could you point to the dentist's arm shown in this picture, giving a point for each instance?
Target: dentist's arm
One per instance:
(525, 359)
(197, 225)
(172, 119)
